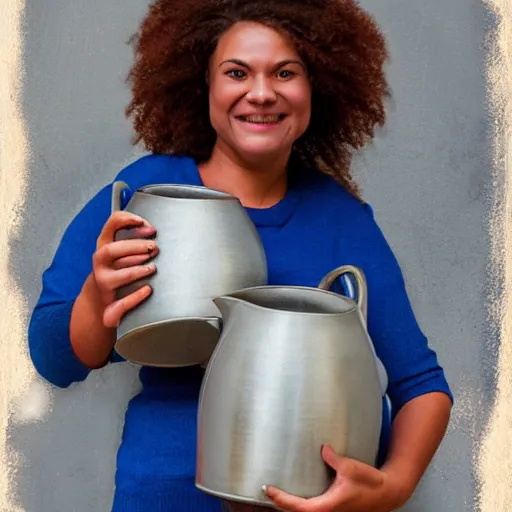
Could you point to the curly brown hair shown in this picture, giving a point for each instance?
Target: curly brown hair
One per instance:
(340, 43)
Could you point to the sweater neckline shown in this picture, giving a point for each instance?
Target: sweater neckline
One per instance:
(274, 216)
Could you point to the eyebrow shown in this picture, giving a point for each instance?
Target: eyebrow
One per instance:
(277, 66)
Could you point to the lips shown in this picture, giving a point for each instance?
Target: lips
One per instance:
(262, 118)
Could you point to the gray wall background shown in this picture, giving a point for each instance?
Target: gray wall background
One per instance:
(427, 175)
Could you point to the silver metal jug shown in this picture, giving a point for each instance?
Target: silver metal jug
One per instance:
(208, 247)
(294, 369)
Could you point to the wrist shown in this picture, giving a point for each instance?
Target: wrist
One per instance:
(92, 342)
(400, 485)
(91, 293)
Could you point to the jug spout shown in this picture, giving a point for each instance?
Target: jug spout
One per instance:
(226, 305)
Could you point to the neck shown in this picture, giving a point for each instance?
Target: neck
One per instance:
(259, 184)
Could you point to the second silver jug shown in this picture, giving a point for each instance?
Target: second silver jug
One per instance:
(208, 247)
(294, 369)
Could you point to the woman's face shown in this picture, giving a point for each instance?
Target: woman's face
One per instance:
(260, 94)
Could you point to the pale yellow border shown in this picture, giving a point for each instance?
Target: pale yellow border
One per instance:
(16, 374)
(494, 456)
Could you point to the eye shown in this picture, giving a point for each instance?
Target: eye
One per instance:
(285, 74)
(238, 74)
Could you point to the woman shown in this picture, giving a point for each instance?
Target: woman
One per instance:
(265, 101)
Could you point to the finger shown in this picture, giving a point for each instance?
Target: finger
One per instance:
(330, 458)
(319, 503)
(134, 233)
(132, 261)
(286, 501)
(291, 503)
(110, 280)
(359, 472)
(349, 468)
(117, 221)
(331, 499)
(109, 253)
(115, 311)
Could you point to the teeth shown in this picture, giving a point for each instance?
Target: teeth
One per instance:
(261, 119)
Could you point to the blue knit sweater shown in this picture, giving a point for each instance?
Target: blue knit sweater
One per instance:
(316, 227)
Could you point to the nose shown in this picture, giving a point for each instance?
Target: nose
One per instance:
(261, 91)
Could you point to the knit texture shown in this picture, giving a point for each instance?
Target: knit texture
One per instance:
(316, 227)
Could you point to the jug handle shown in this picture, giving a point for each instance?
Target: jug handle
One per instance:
(121, 194)
(357, 273)
(362, 302)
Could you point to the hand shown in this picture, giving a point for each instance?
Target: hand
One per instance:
(119, 263)
(357, 487)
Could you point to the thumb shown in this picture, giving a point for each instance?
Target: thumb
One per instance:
(330, 457)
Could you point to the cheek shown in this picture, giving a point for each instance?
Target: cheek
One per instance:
(300, 100)
(221, 101)
(223, 95)
(217, 111)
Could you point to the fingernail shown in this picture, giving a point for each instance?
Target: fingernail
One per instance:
(150, 267)
(151, 248)
(264, 488)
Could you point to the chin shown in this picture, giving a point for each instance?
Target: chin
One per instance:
(261, 153)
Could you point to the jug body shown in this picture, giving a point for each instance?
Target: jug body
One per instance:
(208, 246)
(294, 369)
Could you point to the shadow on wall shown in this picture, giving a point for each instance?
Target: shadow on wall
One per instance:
(425, 176)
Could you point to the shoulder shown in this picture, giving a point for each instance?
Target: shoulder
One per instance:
(158, 168)
(149, 169)
(351, 221)
(331, 198)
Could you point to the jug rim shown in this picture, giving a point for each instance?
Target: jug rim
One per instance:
(218, 194)
(234, 296)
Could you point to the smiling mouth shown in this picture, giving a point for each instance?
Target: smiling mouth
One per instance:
(262, 119)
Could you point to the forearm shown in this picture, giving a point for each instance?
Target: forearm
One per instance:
(417, 432)
(92, 342)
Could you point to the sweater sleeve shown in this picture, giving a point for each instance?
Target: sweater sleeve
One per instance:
(48, 332)
(412, 365)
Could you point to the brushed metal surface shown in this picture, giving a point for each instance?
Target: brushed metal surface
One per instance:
(208, 247)
(294, 369)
